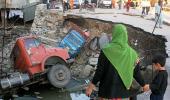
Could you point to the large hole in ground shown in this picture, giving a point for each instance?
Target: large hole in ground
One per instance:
(145, 43)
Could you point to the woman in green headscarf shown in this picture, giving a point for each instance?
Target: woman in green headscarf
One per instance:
(116, 67)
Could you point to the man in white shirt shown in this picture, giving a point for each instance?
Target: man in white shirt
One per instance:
(158, 14)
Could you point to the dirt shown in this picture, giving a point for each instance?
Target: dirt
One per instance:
(145, 43)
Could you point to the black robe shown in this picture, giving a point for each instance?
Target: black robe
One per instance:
(111, 85)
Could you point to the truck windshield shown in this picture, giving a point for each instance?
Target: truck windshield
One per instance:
(31, 43)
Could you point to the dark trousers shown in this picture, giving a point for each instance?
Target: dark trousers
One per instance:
(147, 10)
(156, 97)
(66, 6)
(133, 98)
(143, 10)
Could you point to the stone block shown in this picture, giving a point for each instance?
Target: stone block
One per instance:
(41, 7)
(93, 61)
(51, 32)
(49, 24)
(57, 30)
(87, 71)
(60, 17)
(51, 20)
(60, 23)
(65, 30)
(56, 23)
(96, 56)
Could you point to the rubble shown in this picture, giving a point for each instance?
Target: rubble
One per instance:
(48, 25)
(48, 22)
(10, 37)
(93, 61)
(87, 71)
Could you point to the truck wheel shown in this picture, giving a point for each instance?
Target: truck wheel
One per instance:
(59, 75)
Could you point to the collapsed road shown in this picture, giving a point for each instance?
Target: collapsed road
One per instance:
(85, 62)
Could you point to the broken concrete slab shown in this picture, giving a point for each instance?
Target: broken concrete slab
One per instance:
(93, 61)
(49, 20)
(87, 71)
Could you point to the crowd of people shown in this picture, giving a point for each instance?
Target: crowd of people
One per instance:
(127, 4)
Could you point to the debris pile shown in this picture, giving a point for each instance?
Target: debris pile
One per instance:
(9, 41)
(48, 25)
(48, 22)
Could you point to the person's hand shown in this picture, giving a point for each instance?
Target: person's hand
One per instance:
(146, 88)
(90, 89)
(137, 61)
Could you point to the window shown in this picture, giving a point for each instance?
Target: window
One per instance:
(29, 43)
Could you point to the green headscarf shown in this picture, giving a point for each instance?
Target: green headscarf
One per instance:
(121, 55)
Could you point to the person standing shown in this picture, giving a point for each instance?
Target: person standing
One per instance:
(143, 5)
(147, 7)
(71, 4)
(159, 14)
(113, 3)
(65, 5)
(159, 84)
(116, 68)
(120, 4)
(128, 5)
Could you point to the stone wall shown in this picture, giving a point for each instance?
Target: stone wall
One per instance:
(48, 22)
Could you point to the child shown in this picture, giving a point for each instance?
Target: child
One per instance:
(159, 83)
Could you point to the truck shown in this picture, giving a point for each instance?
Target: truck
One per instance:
(105, 3)
(35, 62)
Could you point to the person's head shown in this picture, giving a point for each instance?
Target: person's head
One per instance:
(160, 2)
(119, 34)
(158, 61)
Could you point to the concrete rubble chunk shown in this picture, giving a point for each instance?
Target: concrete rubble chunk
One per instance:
(103, 40)
(94, 44)
(15, 96)
(48, 22)
(39, 97)
(65, 30)
(93, 61)
(87, 70)
(97, 55)
(76, 70)
(26, 88)
(37, 93)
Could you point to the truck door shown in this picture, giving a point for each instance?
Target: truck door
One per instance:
(15, 55)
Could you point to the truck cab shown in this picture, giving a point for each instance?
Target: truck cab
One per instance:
(30, 56)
